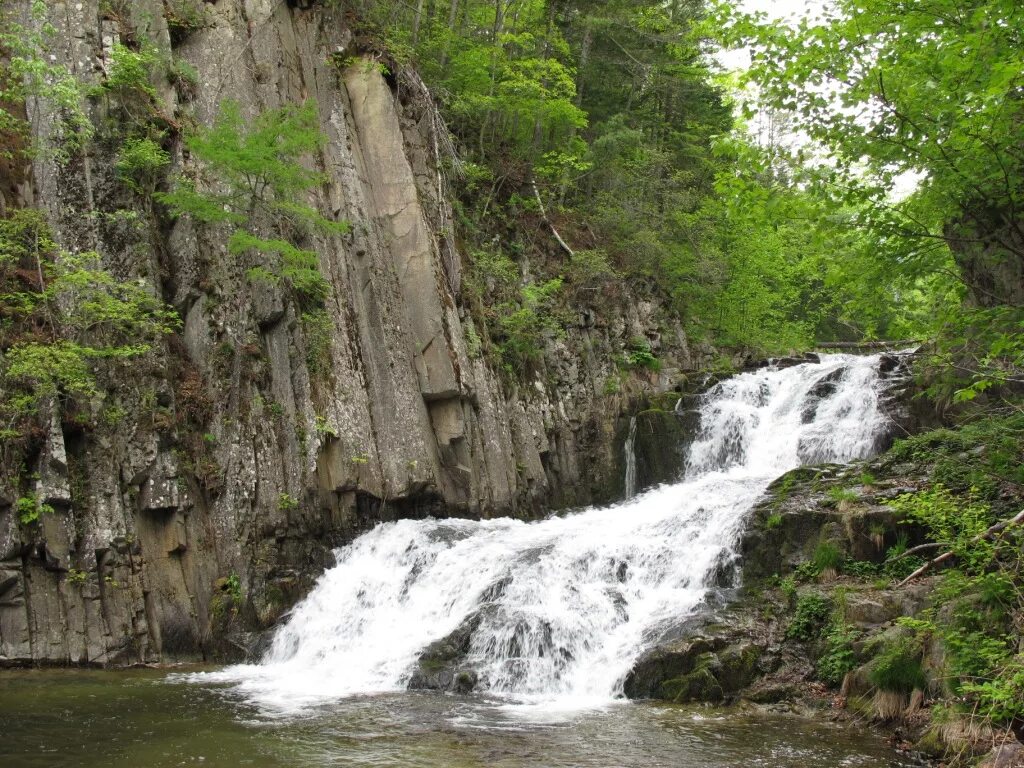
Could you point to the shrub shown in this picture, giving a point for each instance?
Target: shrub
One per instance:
(317, 328)
(640, 356)
(526, 327)
(788, 588)
(840, 495)
(233, 587)
(261, 177)
(589, 268)
(898, 667)
(184, 17)
(30, 507)
(950, 522)
(827, 556)
(862, 569)
(130, 73)
(839, 657)
(812, 612)
(185, 78)
(141, 163)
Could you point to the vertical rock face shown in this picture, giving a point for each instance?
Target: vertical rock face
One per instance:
(207, 485)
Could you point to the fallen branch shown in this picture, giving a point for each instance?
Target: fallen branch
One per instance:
(865, 344)
(918, 548)
(544, 214)
(991, 532)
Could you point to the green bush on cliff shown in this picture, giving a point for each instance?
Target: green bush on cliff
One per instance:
(67, 320)
(953, 522)
(30, 507)
(811, 614)
(839, 657)
(140, 164)
(29, 72)
(898, 668)
(257, 185)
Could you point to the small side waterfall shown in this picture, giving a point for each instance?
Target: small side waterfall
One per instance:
(560, 609)
(629, 460)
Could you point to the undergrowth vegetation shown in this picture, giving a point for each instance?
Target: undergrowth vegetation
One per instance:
(960, 652)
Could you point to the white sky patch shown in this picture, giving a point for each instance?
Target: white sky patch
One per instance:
(777, 10)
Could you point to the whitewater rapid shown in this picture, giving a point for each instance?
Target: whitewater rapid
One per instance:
(564, 606)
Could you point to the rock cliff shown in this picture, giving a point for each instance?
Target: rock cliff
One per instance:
(205, 487)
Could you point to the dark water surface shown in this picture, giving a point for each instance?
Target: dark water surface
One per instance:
(149, 719)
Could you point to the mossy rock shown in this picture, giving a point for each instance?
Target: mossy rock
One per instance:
(699, 685)
(715, 677)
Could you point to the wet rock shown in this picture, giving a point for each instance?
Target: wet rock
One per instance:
(440, 666)
(465, 681)
(700, 669)
(822, 389)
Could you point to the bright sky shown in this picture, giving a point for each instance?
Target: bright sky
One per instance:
(776, 9)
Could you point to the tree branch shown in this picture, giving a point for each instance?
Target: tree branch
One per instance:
(949, 555)
(544, 214)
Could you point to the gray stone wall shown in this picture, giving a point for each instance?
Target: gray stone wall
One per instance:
(204, 490)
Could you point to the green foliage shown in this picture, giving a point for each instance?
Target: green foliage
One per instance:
(928, 90)
(141, 163)
(952, 522)
(30, 73)
(186, 77)
(25, 239)
(318, 330)
(827, 556)
(787, 587)
(839, 657)
(861, 569)
(89, 318)
(773, 521)
(982, 455)
(811, 614)
(30, 507)
(639, 355)
(1000, 699)
(131, 72)
(233, 588)
(589, 269)
(839, 495)
(286, 502)
(526, 326)
(324, 428)
(256, 175)
(185, 17)
(898, 667)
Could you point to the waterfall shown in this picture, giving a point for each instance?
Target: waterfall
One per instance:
(629, 459)
(560, 609)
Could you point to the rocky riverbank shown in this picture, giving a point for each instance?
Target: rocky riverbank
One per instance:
(825, 620)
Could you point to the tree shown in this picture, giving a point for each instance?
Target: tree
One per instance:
(254, 185)
(63, 316)
(930, 88)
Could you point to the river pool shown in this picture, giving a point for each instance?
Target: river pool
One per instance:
(152, 719)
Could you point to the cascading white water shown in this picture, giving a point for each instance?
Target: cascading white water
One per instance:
(564, 606)
(629, 460)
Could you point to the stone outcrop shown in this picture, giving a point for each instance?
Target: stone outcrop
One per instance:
(247, 449)
(736, 646)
